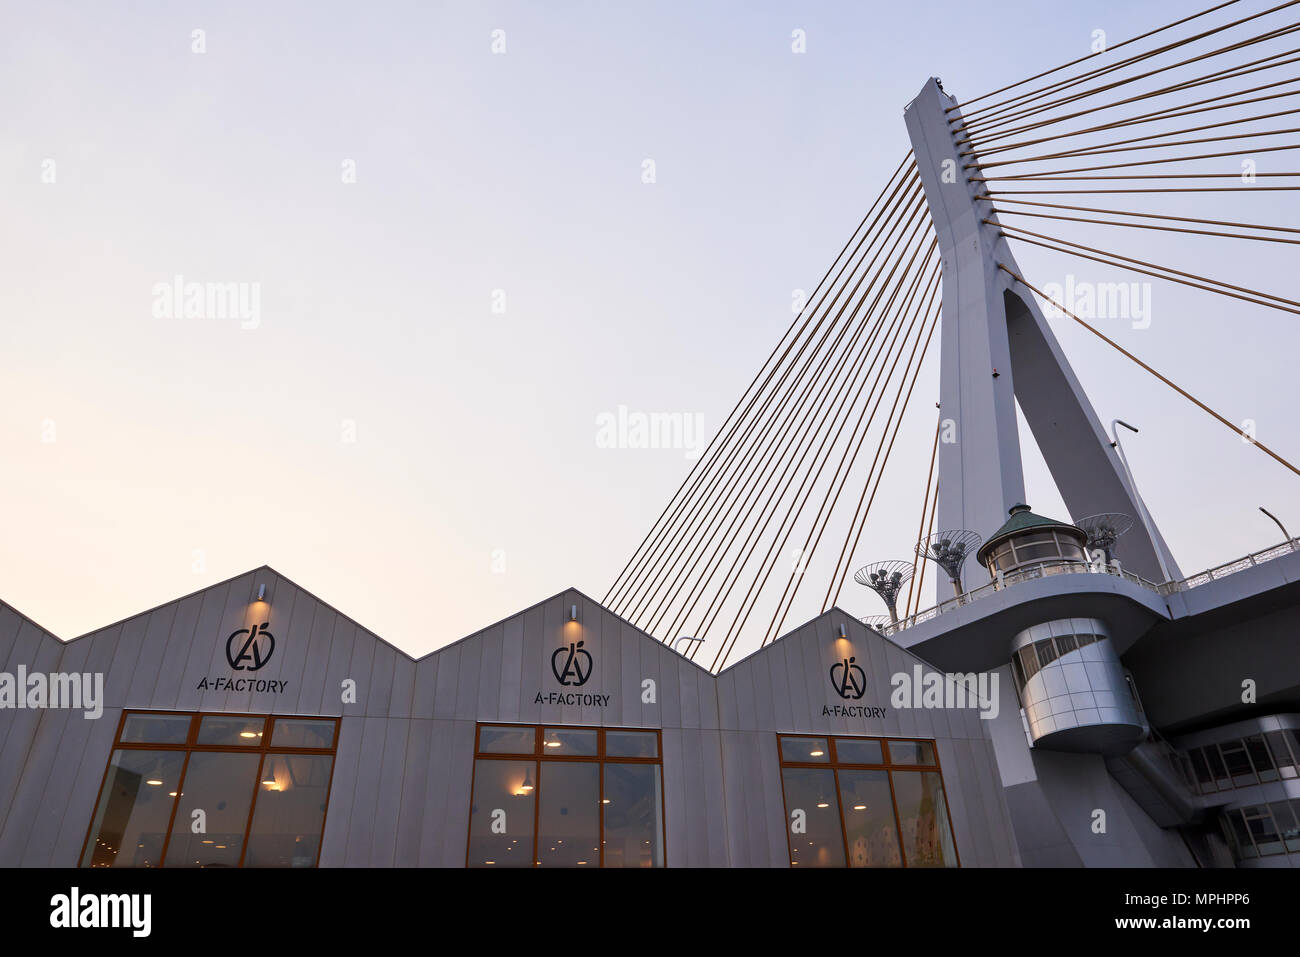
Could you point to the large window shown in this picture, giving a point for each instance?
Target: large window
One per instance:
(1263, 830)
(213, 790)
(864, 802)
(1036, 655)
(566, 797)
(1245, 762)
(1042, 546)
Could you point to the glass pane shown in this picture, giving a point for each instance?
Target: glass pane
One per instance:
(923, 817)
(1034, 538)
(1241, 835)
(1284, 816)
(1216, 765)
(1278, 747)
(858, 751)
(1238, 765)
(290, 810)
(245, 732)
(568, 820)
(134, 809)
(812, 815)
(631, 744)
(1046, 651)
(302, 733)
(869, 819)
(221, 786)
(1034, 553)
(804, 750)
(1262, 829)
(156, 728)
(569, 741)
(1065, 644)
(1029, 661)
(633, 816)
(1259, 757)
(501, 814)
(1203, 776)
(507, 740)
(911, 752)
(1086, 639)
(1072, 549)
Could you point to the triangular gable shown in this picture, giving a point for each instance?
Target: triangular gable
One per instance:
(833, 673)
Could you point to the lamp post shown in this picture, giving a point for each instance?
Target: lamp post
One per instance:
(1137, 498)
(1277, 521)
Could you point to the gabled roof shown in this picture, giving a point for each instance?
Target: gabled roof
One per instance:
(839, 615)
(476, 634)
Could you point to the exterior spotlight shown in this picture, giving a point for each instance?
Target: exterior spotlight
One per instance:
(261, 593)
(844, 632)
(573, 613)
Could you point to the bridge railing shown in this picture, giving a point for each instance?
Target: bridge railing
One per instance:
(1232, 567)
(1033, 572)
(1062, 567)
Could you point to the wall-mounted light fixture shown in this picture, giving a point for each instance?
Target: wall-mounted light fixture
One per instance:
(261, 593)
(844, 632)
(573, 613)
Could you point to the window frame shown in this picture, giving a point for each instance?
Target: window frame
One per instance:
(190, 744)
(835, 765)
(1066, 549)
(539, 755)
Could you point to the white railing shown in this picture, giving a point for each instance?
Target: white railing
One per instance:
(1062, 567)
(1231, 568)
(1022, 574)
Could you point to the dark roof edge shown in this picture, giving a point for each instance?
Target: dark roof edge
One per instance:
(834, 608)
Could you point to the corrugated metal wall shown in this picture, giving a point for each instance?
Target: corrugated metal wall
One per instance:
(400, 792)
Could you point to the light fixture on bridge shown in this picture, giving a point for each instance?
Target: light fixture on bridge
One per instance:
(886, 579)
(948, 550)
(1102, 531)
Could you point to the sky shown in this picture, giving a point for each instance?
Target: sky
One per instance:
(440, 213)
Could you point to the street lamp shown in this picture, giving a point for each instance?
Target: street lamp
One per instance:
(1137, 498)
(686, 638)
(1277, 521)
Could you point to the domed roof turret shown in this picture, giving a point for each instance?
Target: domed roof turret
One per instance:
(1023, 520)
